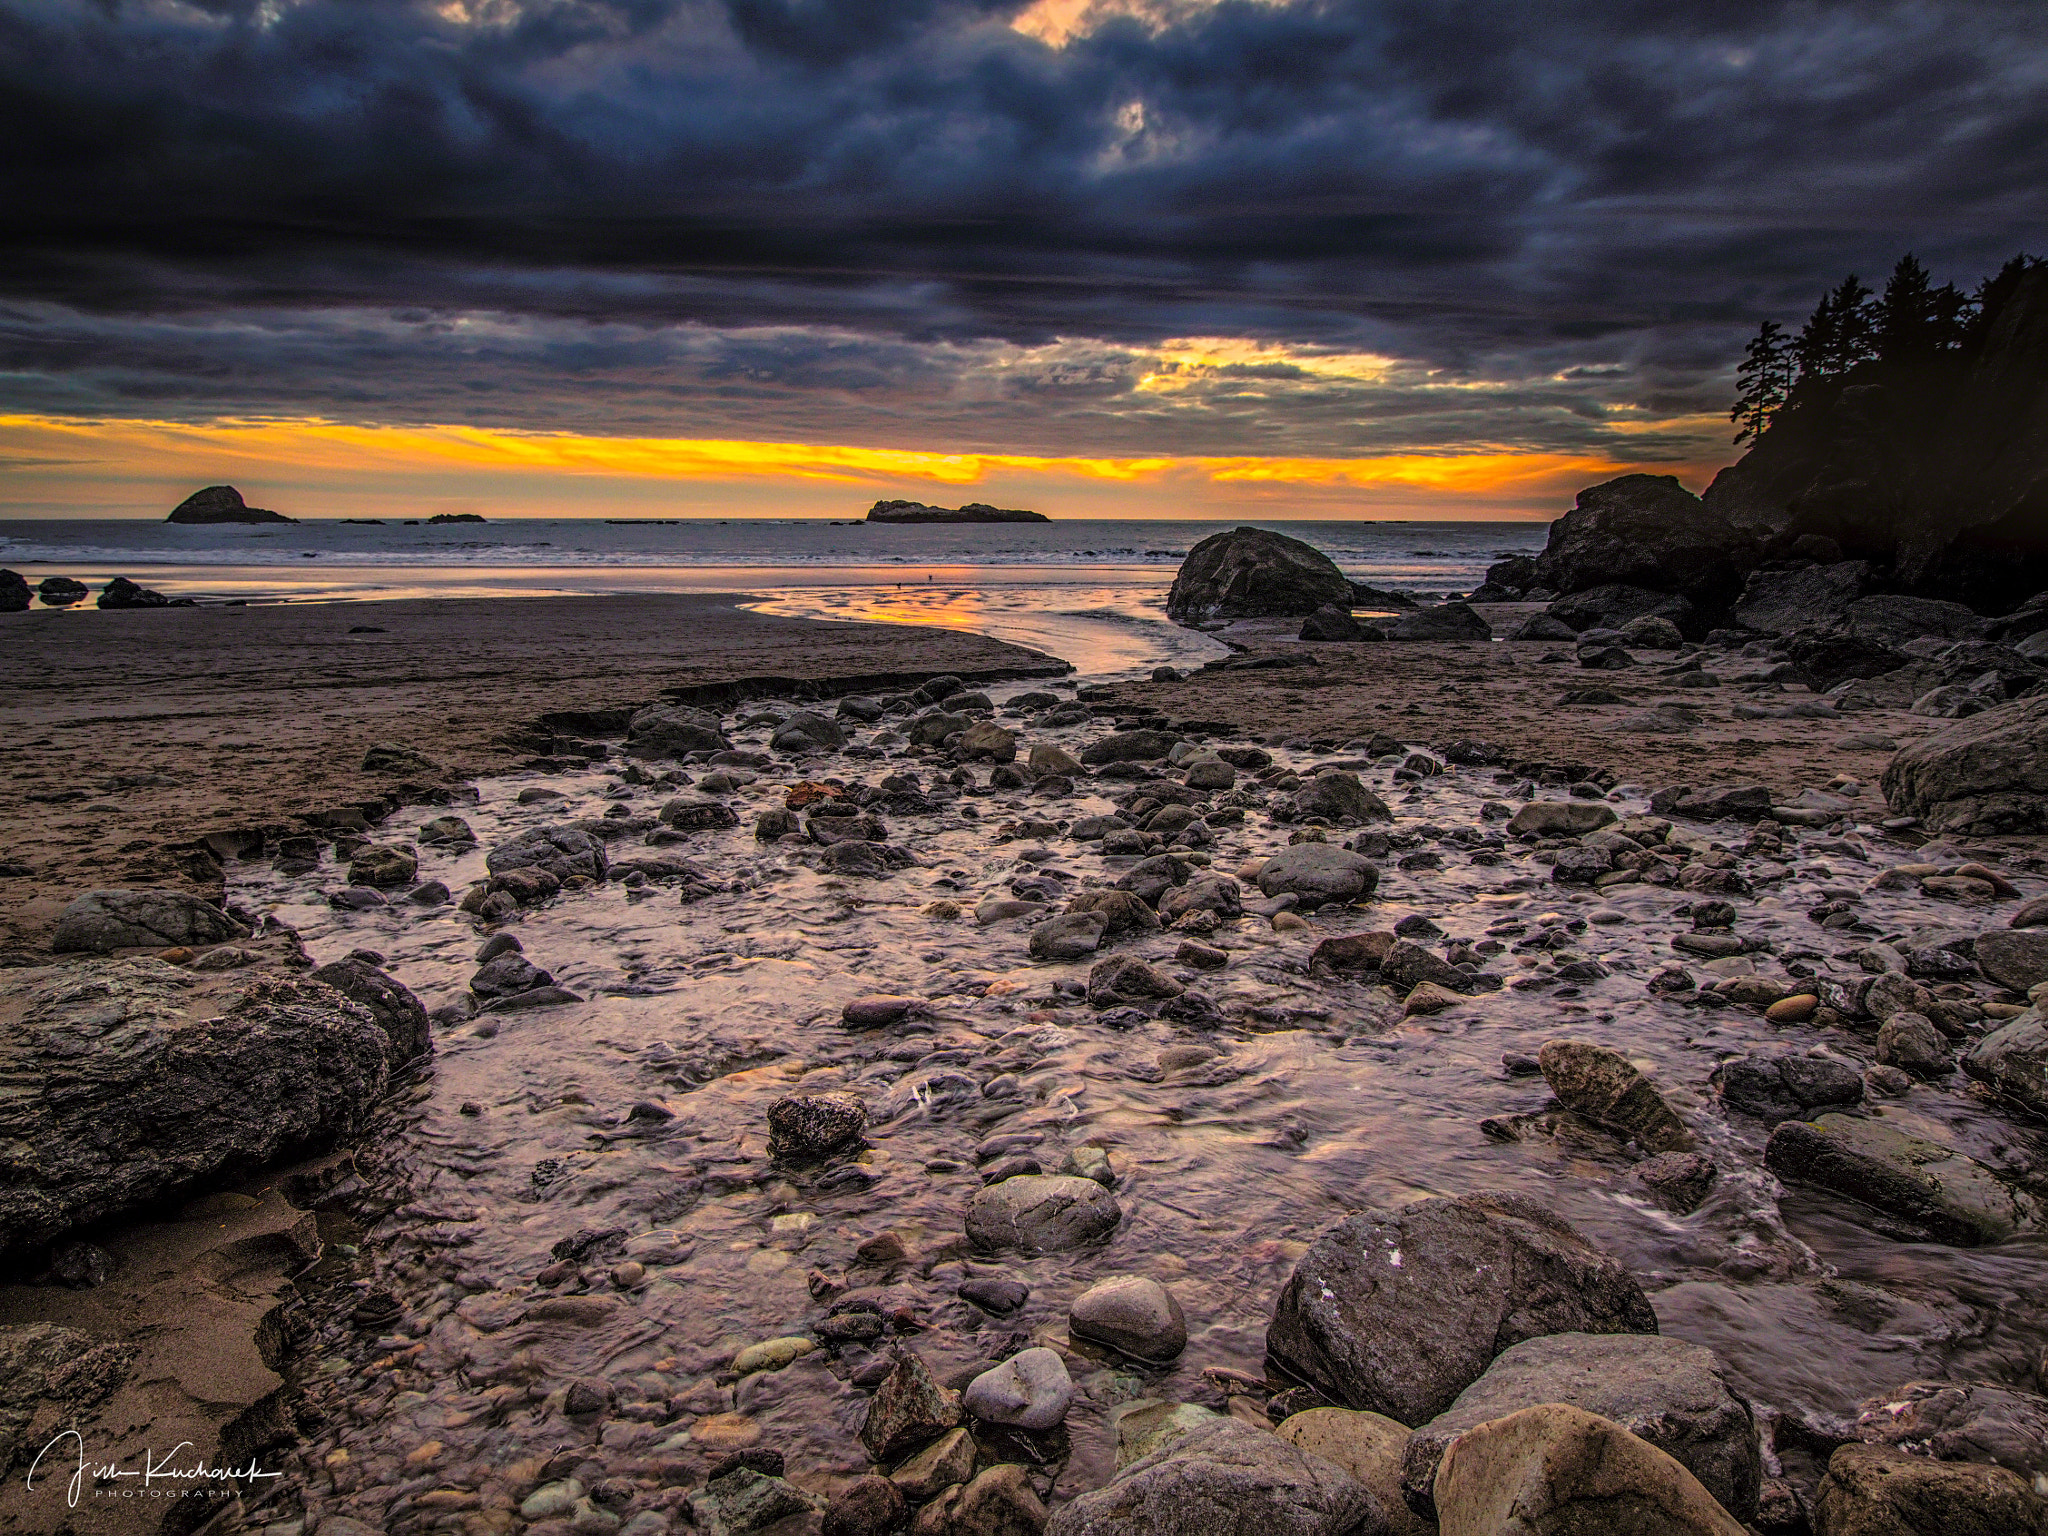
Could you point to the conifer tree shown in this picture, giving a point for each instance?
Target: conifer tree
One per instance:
(1763, 382)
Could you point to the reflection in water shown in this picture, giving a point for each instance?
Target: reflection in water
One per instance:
(1235, 1139)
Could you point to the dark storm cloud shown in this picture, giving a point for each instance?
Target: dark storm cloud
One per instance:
(763, 215)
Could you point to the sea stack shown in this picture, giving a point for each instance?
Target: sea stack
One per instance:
(973, 512)
(222, 504)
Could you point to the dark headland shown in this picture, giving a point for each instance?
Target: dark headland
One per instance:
(222, 504)
(973, 512)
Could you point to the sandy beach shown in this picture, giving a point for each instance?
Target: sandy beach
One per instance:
(131, 735)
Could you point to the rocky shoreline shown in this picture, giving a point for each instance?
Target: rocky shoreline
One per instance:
(763, 1117)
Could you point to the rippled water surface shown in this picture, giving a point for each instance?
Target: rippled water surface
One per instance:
(1233, 1144)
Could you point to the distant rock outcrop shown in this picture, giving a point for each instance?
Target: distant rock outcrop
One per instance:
(973, 512)
(456, 517)
(222, 504)
(1251, 573)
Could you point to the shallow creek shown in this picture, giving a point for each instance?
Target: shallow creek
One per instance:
(1314, 1099)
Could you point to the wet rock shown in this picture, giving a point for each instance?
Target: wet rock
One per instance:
(1203, 893)
(44, 1367)
(909, 1410)
(1352, 952)
(1779, 602)
(875, 1012)
(507, 975)
(1133, 1315)
(1981, 777)
(1332, 623)
(1557, 1469)
(867, 1506)
(1652, 632)
(447, 832)
(1670, 1394)
(946, 1461)
(1603, 1086)
(1223, 1479)
(1070, 936)
(1248, 573)
(125, 1098)
(1369, 1447)
(815, 1125)
(1319, 874)
(869, 860)
(1125, 979)
(674, 730)
(1676, 1181)
(2013, 1058)
(986, 742)
(776, 822)
(771, 1354)
(397, 1012)
(744, 1501)
(1210, 773)
(1406, 966)
(693, 813)
(1030, 1390)
(121, 593)
(1476, 1275)
(384, 866)
(1445, 621)
(1142, 746)
(104, 921)
(1201, 956)
(1000, 1296)
(1779, 1087)
(804, 731)
(1000, 1502)
(1561, 818)
(1122, 912)
(1042, 1214)
(1339, 796)
(1893, 993)
(1874, 1490)
(1961, 1421)
(2015, 958)
(1915, 1187)
(932, 728)
(1046, 758)
(562, 852)
(1910, 1042)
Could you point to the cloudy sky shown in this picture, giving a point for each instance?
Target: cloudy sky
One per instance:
(1345, 258)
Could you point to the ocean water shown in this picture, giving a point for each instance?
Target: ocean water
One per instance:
(1090, 592)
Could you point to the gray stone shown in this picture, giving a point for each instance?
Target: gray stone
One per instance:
(908, 1411)
(814, 1125)
(1669, 1393)
(1332, 623)
(1123, 979)
(933, 727)
(1652, 632)
(1319, 874)
(1122, 911)
(1339, 796)
(1982, 777)
(1543, 627)
(1224, 1479)
(1776, 1087)
(1042, 1213)
(1892, 618)
(397, 1012)
(2015, 958)
(561, 851)
(1910, 1042)
(1129, 747)
(673, 730)
(384, 866)
(1605, 1087)
(1030, 1390)
(1133, 1315)
(103, 921)
(1561, 818)
(1069, 936)
(1445, 621)
(803, 731)
(1210, 773)
(1916, 1187)
(45, 1367)
(2013, 1058)
(1475, 1275)
(985, 741)
(744, 1501)
(1206, 893)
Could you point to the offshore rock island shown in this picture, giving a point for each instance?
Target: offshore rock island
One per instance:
(973, 512)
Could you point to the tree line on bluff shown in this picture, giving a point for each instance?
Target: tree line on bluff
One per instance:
(1913, 334)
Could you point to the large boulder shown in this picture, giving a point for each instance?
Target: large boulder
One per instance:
(672, 730)
(1873, 1490)
(1914, 1187)
(1646, 531)
(1224, 1479)
(1895, 619)
(1398, 1312)
(2013, 957)
(127, 1091)
(222, 504)
(101, 922)
(1252, 573)
(1981, 777)
(1556, 1470)
(1776, 602)
(1613, 605)
(14, 593)
(389, 1001)
(1669, 1393)
(2013, 1058)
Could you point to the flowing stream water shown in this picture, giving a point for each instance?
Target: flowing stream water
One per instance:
(1233, 1139)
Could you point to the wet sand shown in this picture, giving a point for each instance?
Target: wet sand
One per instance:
(127, 736)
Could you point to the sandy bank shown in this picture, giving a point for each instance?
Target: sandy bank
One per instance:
(127, 735)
